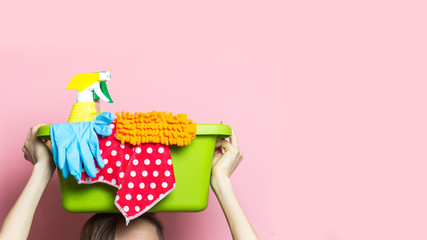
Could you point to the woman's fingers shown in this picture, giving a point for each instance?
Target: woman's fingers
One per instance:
(227, 156)
(217, 155)
(222, 143)
(233, 139)
(48, 144)
(33, 131)
(30, 144)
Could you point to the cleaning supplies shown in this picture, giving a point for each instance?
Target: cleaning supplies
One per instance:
(90, 88)
(190, 168)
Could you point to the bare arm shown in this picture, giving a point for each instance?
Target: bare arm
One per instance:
(19, 219)
(223, 166)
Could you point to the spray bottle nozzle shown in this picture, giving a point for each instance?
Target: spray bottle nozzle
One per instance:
(104, 76)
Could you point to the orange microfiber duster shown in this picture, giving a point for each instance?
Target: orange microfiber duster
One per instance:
(155, 127)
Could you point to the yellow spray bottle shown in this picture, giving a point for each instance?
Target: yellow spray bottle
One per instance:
(90, 88)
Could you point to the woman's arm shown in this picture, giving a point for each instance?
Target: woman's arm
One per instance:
(226, 159)
(19, 219)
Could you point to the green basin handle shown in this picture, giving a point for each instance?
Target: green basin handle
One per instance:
(221, 130)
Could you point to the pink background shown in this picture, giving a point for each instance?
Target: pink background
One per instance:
(328, 99)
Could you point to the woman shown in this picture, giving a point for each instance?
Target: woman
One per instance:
(18, 222)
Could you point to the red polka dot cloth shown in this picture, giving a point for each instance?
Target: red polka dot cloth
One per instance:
(143, 174)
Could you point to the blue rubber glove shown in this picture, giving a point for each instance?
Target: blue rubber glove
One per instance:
(74, 144)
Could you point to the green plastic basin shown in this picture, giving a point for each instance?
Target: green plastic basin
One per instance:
(192, 169)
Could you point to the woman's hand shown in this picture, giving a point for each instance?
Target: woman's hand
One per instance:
(18, 221)
(38, 152)
(226, 158)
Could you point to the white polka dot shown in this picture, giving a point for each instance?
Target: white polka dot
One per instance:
(112, 126)
(144, 173)
(115, 135)
(137, 209)
(135, 162)
(109, 170)
(88, 179)
(118, 163)
(149, 150)
(147, 161)
(117, 198)
(133, 173)
(130, 185)
(128, 197)
(108, 143)
(170, 161)
(161, 150)
(121, 175)
(138, 150)
(164, 184)
(155, 173)
(167, 173)
(125, 208)
(161, 196)
(120, 186)
(98, 170)
(153, 185)
(113, 153)
(100, 151)
(113, 181)
(158, 161)
(139, 196)
(142, 185)
(174, 185)
(122, 146)
(146, 208)
(101, 178)
(105, 161)
(127, 156)
(150, 197)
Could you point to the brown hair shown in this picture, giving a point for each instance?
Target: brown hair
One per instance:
(102, 226)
